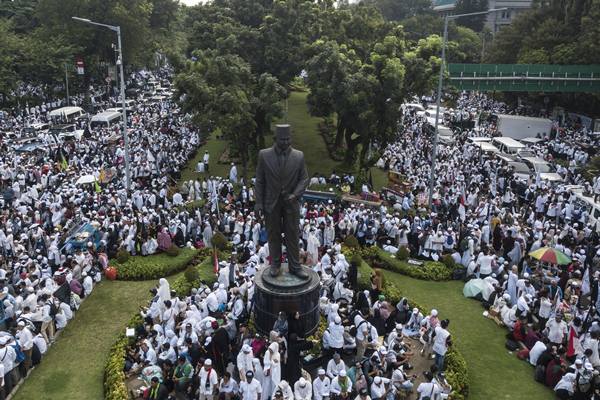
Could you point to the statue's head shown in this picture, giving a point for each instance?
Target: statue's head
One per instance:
(283, 136)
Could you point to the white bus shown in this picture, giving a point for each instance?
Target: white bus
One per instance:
(66, 114)
(105, 119)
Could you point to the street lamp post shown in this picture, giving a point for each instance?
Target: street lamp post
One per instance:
(67, 85)
(117, 29)
(439, 94)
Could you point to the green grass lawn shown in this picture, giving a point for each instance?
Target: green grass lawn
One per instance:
(493, 372)
(305, 137)
(215, 148)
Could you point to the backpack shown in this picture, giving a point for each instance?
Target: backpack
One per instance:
(511, 345)
(53, 309)
(540, 373)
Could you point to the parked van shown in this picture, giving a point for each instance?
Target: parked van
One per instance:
(589, 205)
(508, 145)
(66, 114)
(487, 147)
(105, 119)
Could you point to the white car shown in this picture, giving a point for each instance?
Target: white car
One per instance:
(546, 171)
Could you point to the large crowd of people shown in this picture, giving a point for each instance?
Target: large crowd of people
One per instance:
(484, 216)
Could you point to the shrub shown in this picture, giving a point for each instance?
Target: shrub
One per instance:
(114, 375)
(219, 241)
(429, 271)
(351, 241)
(122, 256)
(317, 336)
(191, 273)
(457, 373)
(448, 261)
(173, 251)
(203, 271)
(402, 254)
(155, 266)
(356, 259)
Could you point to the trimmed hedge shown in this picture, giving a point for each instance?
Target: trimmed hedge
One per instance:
(429, 271)
(157, 266)
(114, 375)
(456, 366)
(457, 374)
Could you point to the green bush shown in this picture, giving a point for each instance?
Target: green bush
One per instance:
(356, 259)
(351, 241)
(155, 266)
(457, 373)
(317, 336)
(191, 273)
(402, 254)
(429, 271)
(219, 241)
(173, 251)
(114, 375)
(202, 271)
(122, 256)
(448, 261)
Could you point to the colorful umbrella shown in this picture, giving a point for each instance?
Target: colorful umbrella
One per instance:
(551, 255)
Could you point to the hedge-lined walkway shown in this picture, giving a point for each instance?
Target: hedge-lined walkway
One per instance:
(493, 373)
(73, 368)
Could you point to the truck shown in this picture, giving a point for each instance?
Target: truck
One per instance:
(520, 127)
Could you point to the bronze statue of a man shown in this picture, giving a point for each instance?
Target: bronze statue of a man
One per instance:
(281, 179)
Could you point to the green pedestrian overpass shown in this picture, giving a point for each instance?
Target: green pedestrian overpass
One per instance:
(525, 77)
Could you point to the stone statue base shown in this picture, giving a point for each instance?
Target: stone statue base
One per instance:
(289, 294)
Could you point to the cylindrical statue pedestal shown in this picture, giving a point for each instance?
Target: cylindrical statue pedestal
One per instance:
(289, 294)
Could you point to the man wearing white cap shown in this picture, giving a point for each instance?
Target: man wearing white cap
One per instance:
(208, 381)
(302, 390)
(244, 361)
(25, 339)
(378, 390)
(341, 385)
(321, 386)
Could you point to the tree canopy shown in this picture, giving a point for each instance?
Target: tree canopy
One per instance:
(39, 37)
(358, 64)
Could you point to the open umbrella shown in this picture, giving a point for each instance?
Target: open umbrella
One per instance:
(551, 255)
(478, 286)
(86, 179)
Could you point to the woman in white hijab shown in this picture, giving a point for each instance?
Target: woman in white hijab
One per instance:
(164, 290)
(272, 368)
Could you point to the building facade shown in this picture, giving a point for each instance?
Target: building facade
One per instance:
(494, 21)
